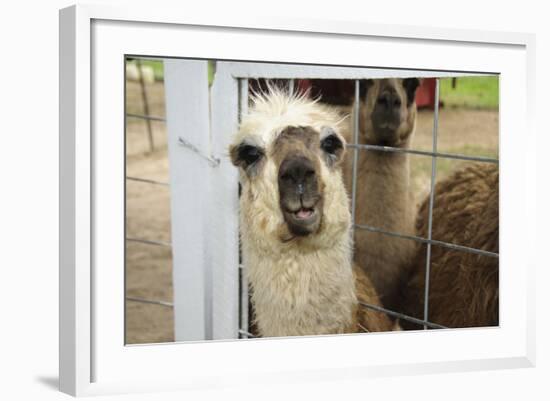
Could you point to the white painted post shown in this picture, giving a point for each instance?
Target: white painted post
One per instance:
(244, 323)
(223, 235)
(187, 115)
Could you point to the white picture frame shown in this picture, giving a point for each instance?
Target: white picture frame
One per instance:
(93, 357)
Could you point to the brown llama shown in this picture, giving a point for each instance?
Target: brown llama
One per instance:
(463, 286)
(384, 196)
(295, 221)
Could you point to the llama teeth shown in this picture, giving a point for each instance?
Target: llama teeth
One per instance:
(304, 213)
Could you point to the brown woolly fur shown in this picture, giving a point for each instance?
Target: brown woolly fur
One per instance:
(295, 220)
(368, 319)
(463, 286)
(384, 197)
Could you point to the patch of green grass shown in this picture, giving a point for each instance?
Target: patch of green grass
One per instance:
(474, 150)
(470, 92)
(158, 68)
(211, 71)
(423, 167)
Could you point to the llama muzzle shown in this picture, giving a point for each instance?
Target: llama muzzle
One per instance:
(299, 195)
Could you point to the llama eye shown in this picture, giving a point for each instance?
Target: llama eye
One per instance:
(249, 154)
(331, 144)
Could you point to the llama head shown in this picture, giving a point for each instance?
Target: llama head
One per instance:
(289, 152)
(389, 114)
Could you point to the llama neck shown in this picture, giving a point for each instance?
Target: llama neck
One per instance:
(302, 293)
(383, 195)
(384, 201)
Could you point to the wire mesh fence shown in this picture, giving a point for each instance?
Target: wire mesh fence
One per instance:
(356, 147)
(142, 111)
(434, 154)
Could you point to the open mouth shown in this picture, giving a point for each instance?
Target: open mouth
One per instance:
(302, 216)
(303, 221)
(304, 213)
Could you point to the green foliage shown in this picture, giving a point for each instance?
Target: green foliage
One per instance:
(211, 71)
(470, 92)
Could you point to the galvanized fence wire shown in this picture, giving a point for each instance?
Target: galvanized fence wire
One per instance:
(147, 180)
(356, 110)
(147, 118)
(443, 244)
(431, 203)
(244, 298)
(434, 154)
(356, 147)
(150, 301)
(442, 155)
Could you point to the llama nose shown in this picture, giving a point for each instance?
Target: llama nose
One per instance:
(388, 101)
(297, 172)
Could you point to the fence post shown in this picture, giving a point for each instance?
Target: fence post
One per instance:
(187, 113)
(223, 233)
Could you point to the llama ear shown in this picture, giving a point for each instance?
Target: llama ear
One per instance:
(410, 85)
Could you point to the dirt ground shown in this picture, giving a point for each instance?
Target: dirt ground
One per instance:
(149, 267)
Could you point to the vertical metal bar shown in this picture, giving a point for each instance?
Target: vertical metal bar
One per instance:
(291, 86)
(145, 105)
(243, 109)
(355, 151)
(431, 204)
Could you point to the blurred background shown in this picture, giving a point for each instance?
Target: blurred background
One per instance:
(468, 125)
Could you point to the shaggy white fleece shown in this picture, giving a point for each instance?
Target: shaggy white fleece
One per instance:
(304, 285)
